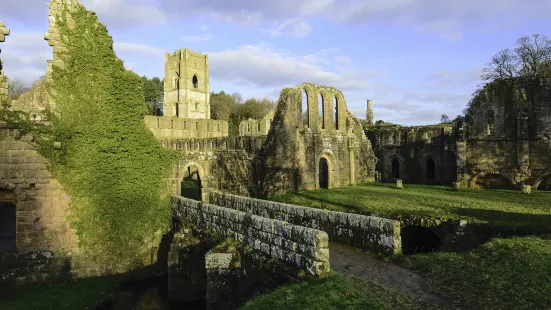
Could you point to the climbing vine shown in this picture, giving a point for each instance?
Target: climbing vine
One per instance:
(109, 163)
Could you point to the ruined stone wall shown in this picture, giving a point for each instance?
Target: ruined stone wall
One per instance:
(375, 234)
(304, 247)
(164, 127)
(255, 127)
(411, 148)
(3, 79)
(296, 148)
(508, 135)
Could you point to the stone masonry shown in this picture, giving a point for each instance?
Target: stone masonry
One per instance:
(304, 247)
(375, 234)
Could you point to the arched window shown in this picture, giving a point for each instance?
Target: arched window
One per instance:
(321, 111)
(395, 168)
(258, 126)
(490, 124)
(218, 127)
(336, 120)
(195, 81)
(394, 138)
(196, 125)
(197, 106)
(304, 108)
(431, 169)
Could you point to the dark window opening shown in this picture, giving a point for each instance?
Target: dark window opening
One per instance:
(304, 109)
(490, 119)
(336, 120)
(321, 110)
(431, 169)
(417, 239)
(258, 126)
(323, 173)
(395, 168)
(191, 184)
(7, 227)
(195, 81)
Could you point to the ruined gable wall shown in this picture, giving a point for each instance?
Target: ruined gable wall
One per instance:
(4, 31)
(517, 147)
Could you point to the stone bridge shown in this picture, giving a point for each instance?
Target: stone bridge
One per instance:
(218, 251)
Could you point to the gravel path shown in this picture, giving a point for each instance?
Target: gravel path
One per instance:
(367, 267)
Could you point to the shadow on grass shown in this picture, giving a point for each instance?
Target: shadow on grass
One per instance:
(500, 208)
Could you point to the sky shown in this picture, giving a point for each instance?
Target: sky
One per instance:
(415, 59)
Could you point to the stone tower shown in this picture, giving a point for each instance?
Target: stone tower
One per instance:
(187, 86)
(3, 79)
(369, 113)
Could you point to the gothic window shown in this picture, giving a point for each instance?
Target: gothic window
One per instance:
(490, 123)
(304, 108)
(258, 126)
(336, 120)
(195, 81)
(197, 106)
(321, 110)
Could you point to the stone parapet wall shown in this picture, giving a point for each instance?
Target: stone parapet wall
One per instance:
(164, 127)
(371, 233)
(304, 247)
(247, 144)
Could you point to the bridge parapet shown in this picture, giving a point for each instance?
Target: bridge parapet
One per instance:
(376, 234)
(304, 247)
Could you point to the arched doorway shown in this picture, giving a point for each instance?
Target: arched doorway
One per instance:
(323, 173)
(431, 169)
(191, 183)
(395, 168)
(7, 223)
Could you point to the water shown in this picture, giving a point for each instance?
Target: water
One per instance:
(147, 294)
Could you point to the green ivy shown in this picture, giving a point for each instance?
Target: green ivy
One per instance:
(110, 163)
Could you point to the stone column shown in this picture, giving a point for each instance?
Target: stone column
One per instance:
(186, 268)
(352, 164)
(224, 274)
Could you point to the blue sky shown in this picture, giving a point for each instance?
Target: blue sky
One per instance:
(416, 59)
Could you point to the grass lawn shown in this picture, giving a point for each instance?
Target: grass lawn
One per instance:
(334, 291)
(510, 273)
(502, 208)
(75, 294)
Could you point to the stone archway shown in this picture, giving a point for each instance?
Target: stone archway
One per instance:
(193, 182)
(323, 173)
(325, 170)
(394, 167)
(8, 219)
(538, 181)
(429, 167)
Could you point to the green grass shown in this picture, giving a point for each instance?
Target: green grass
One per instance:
(510, 273)
(334, 291)
(502, 208)
(75, 294)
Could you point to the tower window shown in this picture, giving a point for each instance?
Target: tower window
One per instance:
(195, 81)
(490, 119)
(197, 106)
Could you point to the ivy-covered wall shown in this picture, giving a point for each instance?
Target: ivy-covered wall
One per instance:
(97, 145)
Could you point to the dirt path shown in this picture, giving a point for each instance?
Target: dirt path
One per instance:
(367, 267)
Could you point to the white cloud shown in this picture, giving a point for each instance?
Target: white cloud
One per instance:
(262, 66)
(199, 38)
(134, 48)
(294, 27)
(204, 28)
(25, 56)
(125, 13)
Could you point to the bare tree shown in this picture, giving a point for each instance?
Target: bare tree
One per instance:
(534, 54)
(16, 88)
(531, 57)
(504, 64)
(444, 118)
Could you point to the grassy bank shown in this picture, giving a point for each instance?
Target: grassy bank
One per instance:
(76, 294)
(502, 208)
(334, 291)
(510, 273)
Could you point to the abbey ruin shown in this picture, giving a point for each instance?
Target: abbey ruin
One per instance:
(219, 183)
(503, 142)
